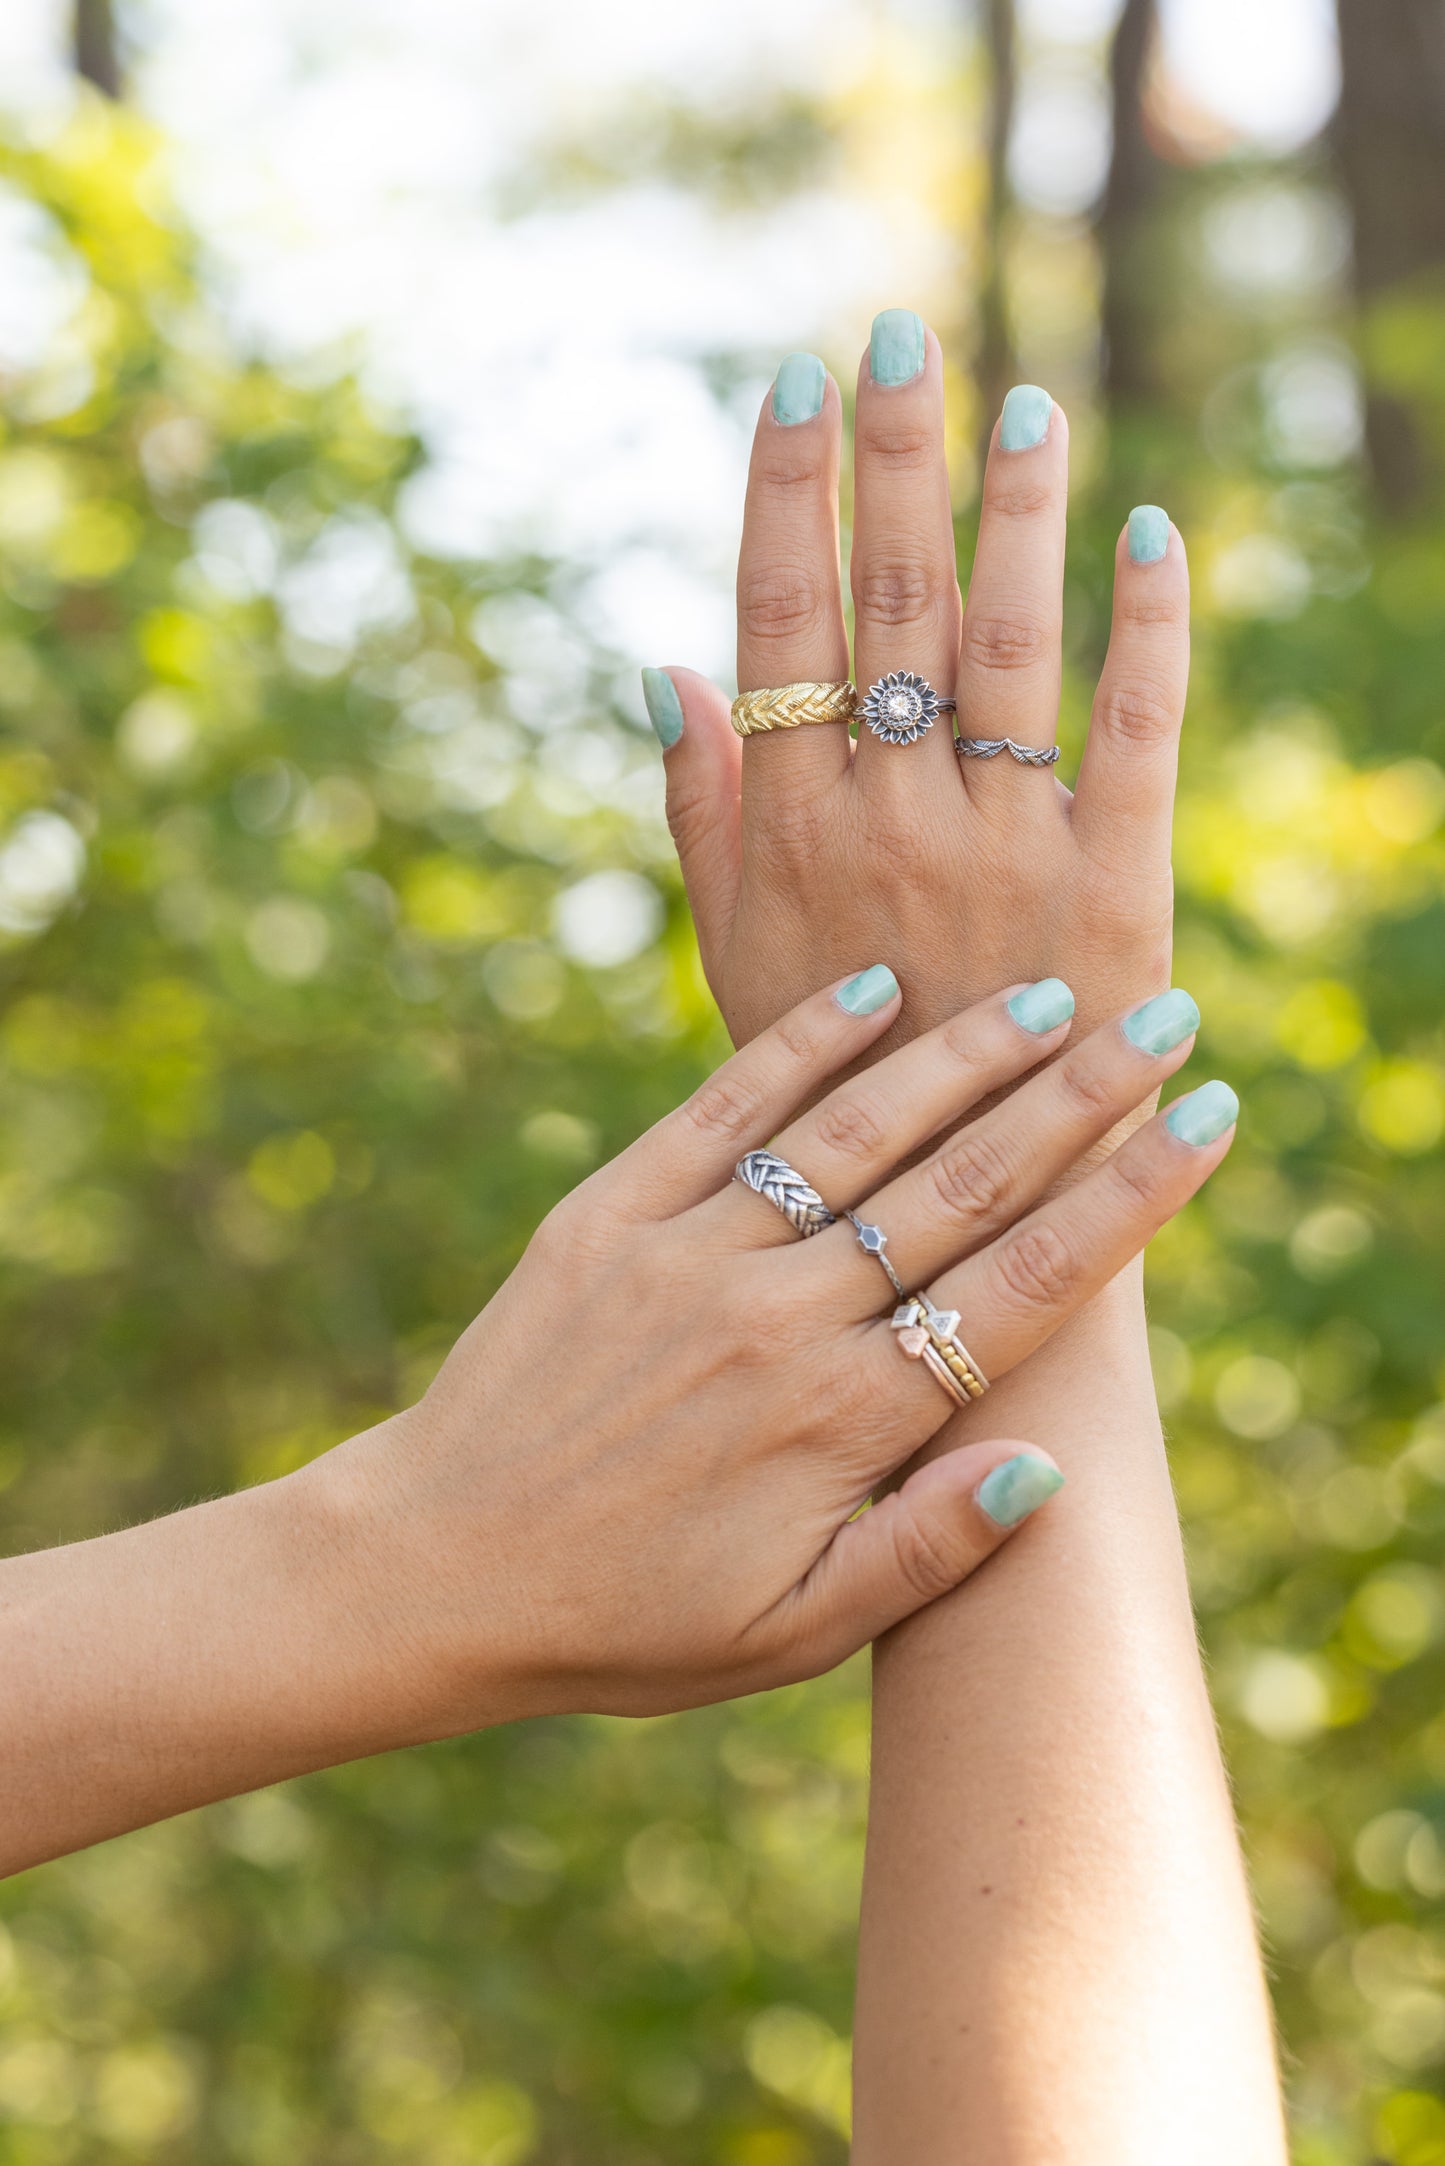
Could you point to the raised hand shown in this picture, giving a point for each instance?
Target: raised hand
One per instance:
(972, 873)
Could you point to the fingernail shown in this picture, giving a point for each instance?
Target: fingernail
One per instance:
(1163, 1022)
(1042, 1006)
(895, 350)
(1148, 533)
(798, 389)
(868, 992)
(664, 708)
(1024, 422)
(1204, 1115)
(1016, 1487)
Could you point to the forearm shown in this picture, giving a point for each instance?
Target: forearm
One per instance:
(221, 1648)
(1057, 1960)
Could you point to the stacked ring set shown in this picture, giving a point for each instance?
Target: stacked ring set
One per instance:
(921, 1331)
(899, 709)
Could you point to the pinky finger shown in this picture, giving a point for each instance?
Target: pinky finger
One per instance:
(911, 1547)
(1124, 798)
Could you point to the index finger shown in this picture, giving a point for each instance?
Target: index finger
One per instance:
(790, 602)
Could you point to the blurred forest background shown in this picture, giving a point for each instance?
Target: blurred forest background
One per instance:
(340, 935)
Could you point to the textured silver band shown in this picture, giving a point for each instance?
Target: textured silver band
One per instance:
(873, 1240)
(989, 748)
(768, 1175)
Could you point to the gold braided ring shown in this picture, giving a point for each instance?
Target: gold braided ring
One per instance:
(791, 706)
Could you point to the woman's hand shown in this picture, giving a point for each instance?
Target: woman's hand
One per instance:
(798, 852)
(632, 1486)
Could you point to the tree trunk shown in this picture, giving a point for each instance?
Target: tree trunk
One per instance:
(1389, 141)
(995, 367)
(1126, 319)
(93, 46)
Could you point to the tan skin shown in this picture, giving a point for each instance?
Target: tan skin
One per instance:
(1057, 1962)
(632, 1486)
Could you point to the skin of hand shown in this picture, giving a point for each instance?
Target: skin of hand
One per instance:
(1057, 1956)
(971, 873)
(633, 1484)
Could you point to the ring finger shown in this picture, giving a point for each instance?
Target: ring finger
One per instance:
(1013, 1295)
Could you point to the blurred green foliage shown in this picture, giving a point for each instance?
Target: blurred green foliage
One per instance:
(340, 935)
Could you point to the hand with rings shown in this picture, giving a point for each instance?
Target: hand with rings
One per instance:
(800, 849)
(632, 1485)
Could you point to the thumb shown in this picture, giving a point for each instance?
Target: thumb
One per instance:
(703, 766)
(920, 1541)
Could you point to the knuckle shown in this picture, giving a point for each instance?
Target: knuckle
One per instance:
(1087, 1088)
(776, 601)
(931, 1555)
(1145, 1181)
(1017, 499)
(1038, 1269)
(900, 592)
(722, 1109)
(784, 472)
(902, 445)
(959, 1040)
(1003, 642)
(1155, 607)
(690, 808)
(797, 1040)
(1138, 713)
(970, 1178)
(851, 1128)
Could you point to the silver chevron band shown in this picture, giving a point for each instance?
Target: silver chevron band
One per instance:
(787, 1191)
(989, 748)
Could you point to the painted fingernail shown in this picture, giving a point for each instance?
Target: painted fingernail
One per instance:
(1042, 1006)
(664, 708)
(1163, 1022)
(1016, 1487)
(868, 992)
(1024, 422)
(798, 389)
(895, 350)
(1148, 533)
(1204, 1115)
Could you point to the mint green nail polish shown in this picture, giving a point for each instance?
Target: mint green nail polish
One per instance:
(1163, 1022)
(868, 992)
(1017, 1487)
(664, 708)
(798, 389)
(1042, 1006)
(1204, 1115)
(1148, 533)
(1024, 422)
(895, 350)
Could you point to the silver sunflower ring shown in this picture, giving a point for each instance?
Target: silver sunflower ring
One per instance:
(902, 707)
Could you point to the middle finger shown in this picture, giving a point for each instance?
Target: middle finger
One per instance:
(907, 610)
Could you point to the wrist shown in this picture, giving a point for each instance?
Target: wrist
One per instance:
(408, 1654)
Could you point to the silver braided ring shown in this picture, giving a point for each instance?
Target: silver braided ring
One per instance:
(900, 708)
(768, 1175)
(989, 748)
(873, 1240)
